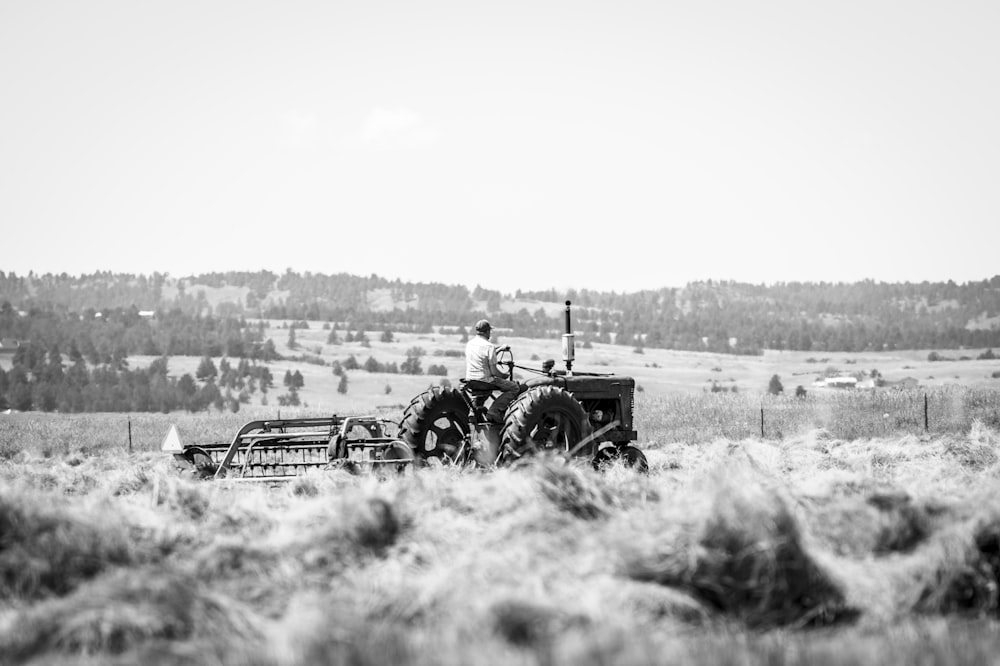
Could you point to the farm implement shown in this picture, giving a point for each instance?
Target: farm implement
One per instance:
(282, 449)
(558, 412)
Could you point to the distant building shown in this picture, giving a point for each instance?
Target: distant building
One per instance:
(9, 345)
(845, 382)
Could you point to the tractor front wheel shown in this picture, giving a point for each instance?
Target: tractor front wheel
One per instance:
(629, 455)
(544, 418)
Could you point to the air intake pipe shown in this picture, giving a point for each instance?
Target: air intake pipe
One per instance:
(567, 343)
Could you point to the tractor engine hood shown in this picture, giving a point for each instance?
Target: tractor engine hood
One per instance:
(585, 384)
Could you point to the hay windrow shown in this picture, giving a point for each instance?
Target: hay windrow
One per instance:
(48, 548)
(333, 535)
(573, 490)
(960, 573)
(529, 623)
(719, 556)
(746, 558)
(127, 609)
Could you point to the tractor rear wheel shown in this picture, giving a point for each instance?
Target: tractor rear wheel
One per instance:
(544, 418)
(436, 425)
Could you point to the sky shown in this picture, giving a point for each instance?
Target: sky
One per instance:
(516, 145)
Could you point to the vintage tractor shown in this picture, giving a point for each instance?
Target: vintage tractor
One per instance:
(574, 414)
(282, 449)
(569, 413)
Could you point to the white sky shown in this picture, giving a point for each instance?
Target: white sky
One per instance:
(511, 144)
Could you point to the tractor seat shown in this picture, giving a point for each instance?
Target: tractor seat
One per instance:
(477, 387)
(478, 392)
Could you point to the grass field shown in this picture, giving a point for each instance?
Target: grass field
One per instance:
(658, 372)
(821, 544)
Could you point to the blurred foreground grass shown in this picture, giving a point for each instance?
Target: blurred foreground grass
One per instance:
(809, 548)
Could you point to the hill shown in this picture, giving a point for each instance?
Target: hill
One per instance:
(723, 317)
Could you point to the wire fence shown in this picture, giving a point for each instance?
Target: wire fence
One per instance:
(848, 414)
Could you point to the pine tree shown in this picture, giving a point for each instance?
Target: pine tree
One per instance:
(411, 366)
(206, 370)
(342, 386)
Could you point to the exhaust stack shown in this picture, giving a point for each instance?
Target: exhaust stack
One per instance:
(567, 343)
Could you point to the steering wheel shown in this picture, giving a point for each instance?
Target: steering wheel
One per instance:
(506, 357)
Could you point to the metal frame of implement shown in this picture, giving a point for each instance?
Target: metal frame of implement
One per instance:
(281, 449)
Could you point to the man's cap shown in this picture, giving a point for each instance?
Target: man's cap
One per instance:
(482, 326)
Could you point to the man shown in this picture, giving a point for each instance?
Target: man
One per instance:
(481, 364)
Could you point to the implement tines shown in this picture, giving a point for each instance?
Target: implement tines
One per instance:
(283, 449)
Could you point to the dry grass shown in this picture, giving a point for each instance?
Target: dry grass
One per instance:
(723, 553)
(745, 557)
(48, 549)
(842, 414)
(126, 610)
(662, 373)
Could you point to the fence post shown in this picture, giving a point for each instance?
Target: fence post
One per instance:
(130, 434)
(926, 420)
(762, 421)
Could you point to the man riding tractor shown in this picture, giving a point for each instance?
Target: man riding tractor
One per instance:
(498, 421)
(483, 379)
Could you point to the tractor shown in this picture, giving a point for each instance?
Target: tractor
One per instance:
(564, 412)
(568, 413)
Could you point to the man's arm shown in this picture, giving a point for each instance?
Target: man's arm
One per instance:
(494, 367)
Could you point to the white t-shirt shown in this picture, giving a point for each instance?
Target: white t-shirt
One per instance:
(480, 359)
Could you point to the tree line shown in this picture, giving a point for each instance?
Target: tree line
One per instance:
(109, 335)
(721, 316)
(43, 379)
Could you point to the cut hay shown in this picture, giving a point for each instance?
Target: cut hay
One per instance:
(964, 576)
(124, 610)
(879, 521)
(50, 549)
(572, 490)
(326, 630)
(337, 534)
(904, 524)
(746, 559)
(528, 623)
(978, 450)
